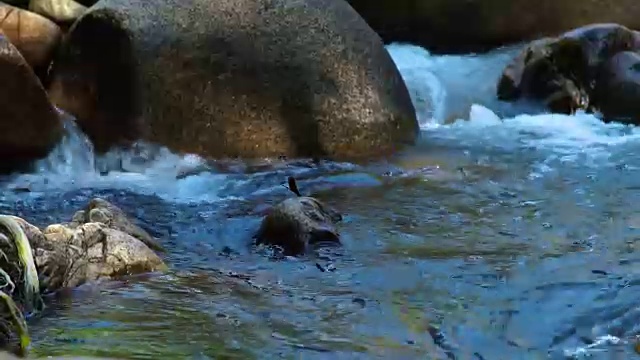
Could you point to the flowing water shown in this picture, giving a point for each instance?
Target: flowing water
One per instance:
(510, 230)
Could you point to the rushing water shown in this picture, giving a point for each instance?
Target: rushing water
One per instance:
(512, 231)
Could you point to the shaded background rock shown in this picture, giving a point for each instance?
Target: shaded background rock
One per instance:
(241, 80)
(33, 35)
(589, 68)
(30, 126)
(478, 25)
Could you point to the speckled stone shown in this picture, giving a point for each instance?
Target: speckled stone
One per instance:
(234, 78)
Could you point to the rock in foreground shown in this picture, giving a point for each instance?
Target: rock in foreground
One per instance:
(240, 80)
(30, 125)
(593, 68)
(61, 11)
(297, 223)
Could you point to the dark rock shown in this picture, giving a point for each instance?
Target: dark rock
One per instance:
(478, 25)
(241, 80)
(585, 68)
(297, 223)
(61, 11)
(30, 126)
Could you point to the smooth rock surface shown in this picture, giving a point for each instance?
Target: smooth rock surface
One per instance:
(241, 80)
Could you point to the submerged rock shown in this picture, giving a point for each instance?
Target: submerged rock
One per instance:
(297, 223)
(30, 126)
(241, 80)
(589, 68)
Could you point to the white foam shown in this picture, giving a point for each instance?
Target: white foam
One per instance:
(445, 87)
(466, 88)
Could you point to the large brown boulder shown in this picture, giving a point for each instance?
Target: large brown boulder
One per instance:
(33, 35)
(472, 25)
(234, 78)
(589, 68)
(30, 125)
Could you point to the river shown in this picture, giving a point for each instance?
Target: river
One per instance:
(510, 230)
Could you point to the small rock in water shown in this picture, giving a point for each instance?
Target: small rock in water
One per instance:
(297, 223)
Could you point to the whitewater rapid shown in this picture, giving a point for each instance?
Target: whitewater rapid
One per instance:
(454, 97)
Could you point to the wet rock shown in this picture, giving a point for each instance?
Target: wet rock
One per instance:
(297, 223)
(477, 25)
(32, 261)
(61, 11)
(30, 125)
(33, 35)
(240, 81)
(575, 70)
(91, 252)
(101, 211)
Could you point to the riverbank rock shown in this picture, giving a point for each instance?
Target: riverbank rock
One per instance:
(590, 68)
(30, 126)
(297, 223)
(102, 211)
(479, 25)
(241, 80)
(33, 35)
(91, 252)
(61, 11)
